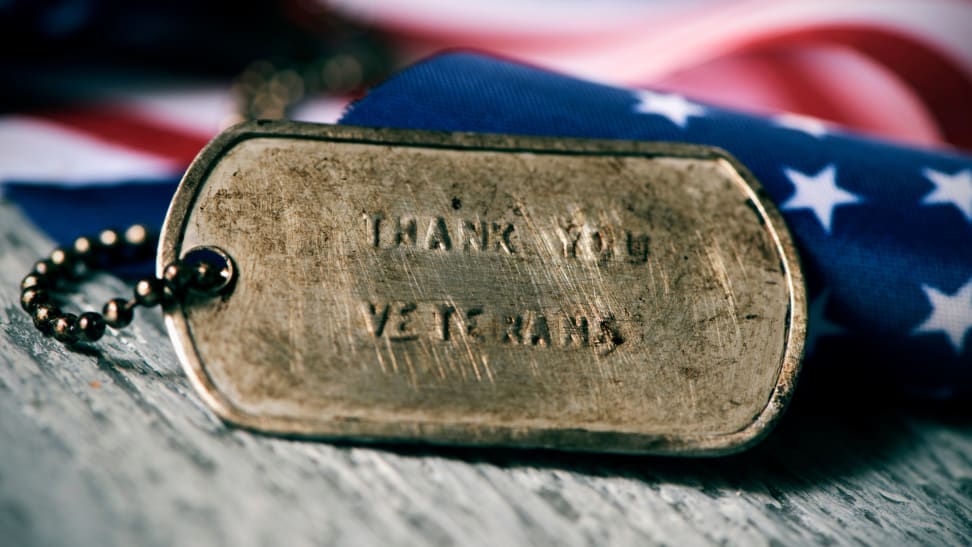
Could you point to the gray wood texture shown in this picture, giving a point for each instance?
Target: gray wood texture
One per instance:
(111, 446)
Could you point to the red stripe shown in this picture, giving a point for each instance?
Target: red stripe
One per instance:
(131, 131)
(942, 83)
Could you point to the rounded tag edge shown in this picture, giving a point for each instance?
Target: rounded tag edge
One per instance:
(170, 248)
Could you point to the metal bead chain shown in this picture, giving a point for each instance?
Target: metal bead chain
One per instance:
(87, 254)
(270, 89)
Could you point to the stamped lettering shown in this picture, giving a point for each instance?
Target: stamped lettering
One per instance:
(584, 241)
(444, 323)
(488, 289)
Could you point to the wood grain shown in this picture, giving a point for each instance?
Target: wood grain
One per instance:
(112, 447)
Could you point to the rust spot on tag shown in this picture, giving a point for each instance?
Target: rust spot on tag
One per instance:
(483, 289)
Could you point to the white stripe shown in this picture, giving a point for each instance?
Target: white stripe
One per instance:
(201, 110)
(39, 152)
(619, 43)
(707, 35)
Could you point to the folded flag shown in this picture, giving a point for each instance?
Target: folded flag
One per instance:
(884, 231)
(914, 57)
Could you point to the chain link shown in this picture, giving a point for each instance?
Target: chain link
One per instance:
(67, 266)
(264, 90)
(269, 90)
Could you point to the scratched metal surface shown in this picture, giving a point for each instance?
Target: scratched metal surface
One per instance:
(112, 447)
(472, 289)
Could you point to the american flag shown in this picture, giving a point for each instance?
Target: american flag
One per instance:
(848, 61)
(884, 228)
(885, 231)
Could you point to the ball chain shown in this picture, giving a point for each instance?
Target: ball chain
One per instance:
(87, 254)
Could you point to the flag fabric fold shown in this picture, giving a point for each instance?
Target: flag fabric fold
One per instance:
(884, 231)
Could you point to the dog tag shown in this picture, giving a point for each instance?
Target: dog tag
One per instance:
(469, 289)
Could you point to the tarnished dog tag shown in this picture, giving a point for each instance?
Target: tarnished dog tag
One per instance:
(487, 290)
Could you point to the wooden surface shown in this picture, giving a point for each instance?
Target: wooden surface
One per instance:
(112, 447)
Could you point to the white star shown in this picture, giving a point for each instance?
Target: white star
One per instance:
(817, 325)
(951, 189)
(673, 107)
(951, 314)
(818, 192)
(815, 127)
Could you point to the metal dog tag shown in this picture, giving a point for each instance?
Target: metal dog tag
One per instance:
(409, 286)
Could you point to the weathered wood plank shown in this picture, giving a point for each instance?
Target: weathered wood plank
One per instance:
(113, 448)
